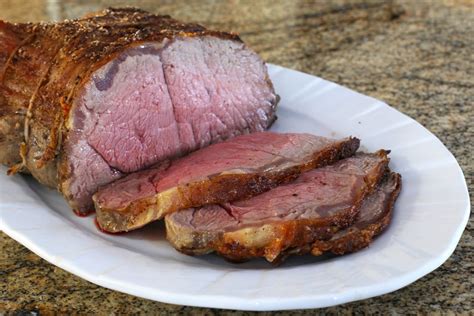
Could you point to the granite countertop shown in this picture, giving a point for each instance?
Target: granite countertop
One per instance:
(415, 55)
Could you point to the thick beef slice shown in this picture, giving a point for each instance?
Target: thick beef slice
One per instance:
(283, 220)
(238, 168)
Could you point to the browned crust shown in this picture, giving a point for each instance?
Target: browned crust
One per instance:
(12, 37)
(14, 91)
(218, 189)
(273, 241)
(361, 238)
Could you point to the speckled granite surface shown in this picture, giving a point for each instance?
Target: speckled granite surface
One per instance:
(415, 55)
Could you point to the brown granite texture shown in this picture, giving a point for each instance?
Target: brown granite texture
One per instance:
(415, 55)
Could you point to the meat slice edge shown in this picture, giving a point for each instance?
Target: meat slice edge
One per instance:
(374, 216)
(235, 169)
(283, 220)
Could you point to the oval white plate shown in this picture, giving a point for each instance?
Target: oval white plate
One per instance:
(430, 215)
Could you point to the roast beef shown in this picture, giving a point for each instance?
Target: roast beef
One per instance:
(286, 219)
(118, 91)
(235, 169)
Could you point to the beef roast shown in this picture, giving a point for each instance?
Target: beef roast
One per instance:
(117, 91)
(238, 168)
(285, 219)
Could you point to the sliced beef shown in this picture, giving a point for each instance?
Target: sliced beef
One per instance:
(119, 91)
(286, 219)
(235, 169)
(374, 216)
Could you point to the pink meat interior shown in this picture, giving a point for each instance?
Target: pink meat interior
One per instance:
(243, 154)
(320, 193)
(157, 101)
(316, 194)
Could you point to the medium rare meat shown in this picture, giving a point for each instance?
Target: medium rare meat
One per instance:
(374, 216)
(235, 169)
(286, 219)
(118, 91)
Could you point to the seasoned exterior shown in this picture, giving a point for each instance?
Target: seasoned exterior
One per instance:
(235, 169)
(19, 76)
(285, 220)
(84, 102)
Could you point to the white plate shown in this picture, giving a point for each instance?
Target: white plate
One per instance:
(430, 215)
